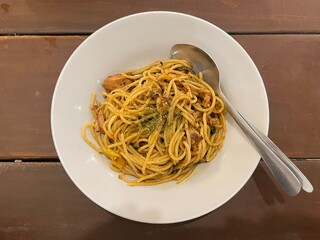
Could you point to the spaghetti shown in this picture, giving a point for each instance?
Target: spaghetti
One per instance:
(157, 123)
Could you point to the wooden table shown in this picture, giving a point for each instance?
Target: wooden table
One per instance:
(39, 201)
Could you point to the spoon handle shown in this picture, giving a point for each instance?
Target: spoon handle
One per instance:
(306, 185)
(282, 173)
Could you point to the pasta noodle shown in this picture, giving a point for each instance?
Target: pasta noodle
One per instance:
(157, 123)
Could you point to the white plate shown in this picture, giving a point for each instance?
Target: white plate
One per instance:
(135, 41)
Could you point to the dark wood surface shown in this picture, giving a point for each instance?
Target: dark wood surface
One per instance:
(39, 201)
(29, 69)
(83, 16)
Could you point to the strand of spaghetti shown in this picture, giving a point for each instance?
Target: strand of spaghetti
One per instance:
(161, 160)
(176, 143)
(217, 138)
(152, 182)
(117, 133)
(84, 135)
(116, 94)
(143, 148)
(122, 117)
(176, 66)
(141, 179)
(175, 100)
(159, 169)
(118, 124)
(164, 77)
(145, 118)
(177, 147)
(101, 144)
(186, 174)
(135, 94)
(202, 146)
(112, 109)
(205, 130)
(95, 136)
(151, 143)
(187, 160)
(164, 164)
(126, 140)
(125, 152)
(172, 145)
(169, 63)
(133, 77)
(171, 83)
(139, 109)
(159, 149)
(153, 70)
(188, 116)
(222, 106)
(177, 72)
(107, 126)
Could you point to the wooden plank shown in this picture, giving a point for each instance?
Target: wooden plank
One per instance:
(29, 68)
(74, 16)
(290, 67)
(39, 201)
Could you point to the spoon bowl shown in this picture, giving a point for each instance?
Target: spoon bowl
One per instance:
(201, 62)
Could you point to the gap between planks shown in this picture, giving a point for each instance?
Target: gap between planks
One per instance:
(55, 160)
(89, 33)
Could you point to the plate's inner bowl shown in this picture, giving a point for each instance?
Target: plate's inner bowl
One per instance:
(130, 43)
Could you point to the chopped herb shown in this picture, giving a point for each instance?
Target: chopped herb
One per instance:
(154, 96)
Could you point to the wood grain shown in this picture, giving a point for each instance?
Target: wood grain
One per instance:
(290, 68)
(29, 68)
(39, 201)
(74, 16)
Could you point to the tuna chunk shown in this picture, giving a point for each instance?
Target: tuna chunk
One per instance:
(115, 81)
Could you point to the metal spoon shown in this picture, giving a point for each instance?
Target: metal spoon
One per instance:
(289, 177)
